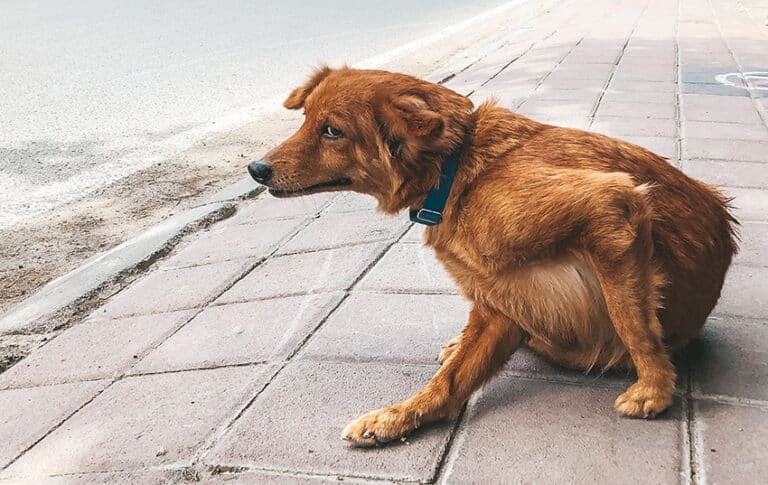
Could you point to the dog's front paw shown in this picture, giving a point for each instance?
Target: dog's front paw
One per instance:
(643, 401)
(448, 350)
(381, 426)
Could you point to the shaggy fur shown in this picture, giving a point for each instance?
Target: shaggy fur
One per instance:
(592, 251)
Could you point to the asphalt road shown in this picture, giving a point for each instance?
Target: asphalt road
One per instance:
(91, 91)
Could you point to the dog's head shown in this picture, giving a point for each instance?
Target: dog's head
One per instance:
(373, 132)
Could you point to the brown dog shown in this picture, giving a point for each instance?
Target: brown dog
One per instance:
(590, 250)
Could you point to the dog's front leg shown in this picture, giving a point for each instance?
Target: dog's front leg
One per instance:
(485, 345)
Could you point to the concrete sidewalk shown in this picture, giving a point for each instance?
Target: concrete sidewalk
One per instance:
(242, 356)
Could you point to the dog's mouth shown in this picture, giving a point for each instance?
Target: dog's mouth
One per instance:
(331, 184)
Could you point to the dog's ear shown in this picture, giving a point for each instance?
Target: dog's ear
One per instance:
(405, 115)
(296, 99)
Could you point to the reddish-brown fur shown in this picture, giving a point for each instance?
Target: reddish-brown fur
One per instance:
(590, 250)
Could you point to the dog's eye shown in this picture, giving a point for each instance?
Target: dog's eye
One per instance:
(331, 132)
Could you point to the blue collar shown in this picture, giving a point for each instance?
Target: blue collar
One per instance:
(431, 212)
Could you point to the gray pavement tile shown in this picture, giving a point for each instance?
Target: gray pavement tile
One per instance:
(126, 425)
(742, 150)
(389, 327)
(712, 89)
(587, 96)
(640, 97)
(352, 202)
(636, 110)
(241, 333)
(408, 268)
(234, 241)
(570, 69)
(744, 292)
(318, 271)
(725, 131)
(471, 79)
(556, 83)
(647, 71)
(547, 107)
(415, 234)
(728, 173)
(749, 204)
(175, 289)
(296, 423)
(335, 230)
(634, 86)
(94, 349)
(267, 207)
(754, 244)
(660, 145)
(619, 125)
(276, 478)
(702, 107)
(730, 358)
(144, 477)
(522, 431)
(731, 443)
(28, 414)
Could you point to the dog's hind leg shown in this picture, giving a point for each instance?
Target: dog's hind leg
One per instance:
(622, 255)
(488, 340)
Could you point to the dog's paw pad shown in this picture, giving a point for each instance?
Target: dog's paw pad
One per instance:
(380, 426)
(643, 401)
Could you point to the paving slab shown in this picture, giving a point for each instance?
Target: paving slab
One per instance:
(174, 289)
(241, 333)
(408, 268)
(730, 358)
(728, 173)
(663, 146)
(526, 431)
(267, 478)
(744, 292)
(296, 423)
(724, 131)
(730, 444)
(318, 271)
(742, 150)
(352, 202)
(126, 425)
(753, 248)
(28, 414)
(636, 109)
(703, 107)
(389, 327)
(749, 204)
(234, 242)
(144, 477)
(94, 349)
(266, 207)
(336, 230)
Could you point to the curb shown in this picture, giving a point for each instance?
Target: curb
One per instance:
(61, 299)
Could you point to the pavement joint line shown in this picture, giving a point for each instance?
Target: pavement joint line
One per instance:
(445, 451)
(458, 437)
(678, 89)
(615, 67)
(358, 478)
(698, 473)
(730, 400)
(689, 465)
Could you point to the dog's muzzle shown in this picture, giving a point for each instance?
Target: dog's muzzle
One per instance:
(260, 171)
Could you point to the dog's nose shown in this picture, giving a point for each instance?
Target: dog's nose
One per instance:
(260, 171)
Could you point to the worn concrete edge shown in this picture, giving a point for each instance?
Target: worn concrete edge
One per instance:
(98, 271)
